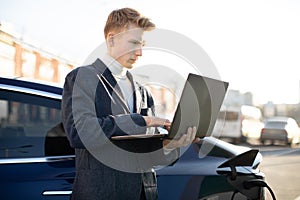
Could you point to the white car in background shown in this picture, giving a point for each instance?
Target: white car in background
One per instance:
(283, 129)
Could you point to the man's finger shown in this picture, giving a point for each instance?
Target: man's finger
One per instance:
(193, 134)
(195, 130)
(182, 139)
(190, 135)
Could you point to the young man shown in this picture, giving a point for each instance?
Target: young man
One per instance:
(100, 101)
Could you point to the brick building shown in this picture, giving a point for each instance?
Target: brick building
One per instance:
(19, 58)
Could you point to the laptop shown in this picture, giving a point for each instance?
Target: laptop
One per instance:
(199, 106)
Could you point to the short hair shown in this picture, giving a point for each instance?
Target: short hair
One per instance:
(120, 19)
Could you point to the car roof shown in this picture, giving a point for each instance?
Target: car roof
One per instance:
(279, 119)
(32, 87)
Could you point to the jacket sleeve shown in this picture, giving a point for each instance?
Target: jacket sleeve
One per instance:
(79, 116)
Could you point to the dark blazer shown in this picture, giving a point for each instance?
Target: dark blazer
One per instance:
(94, 110)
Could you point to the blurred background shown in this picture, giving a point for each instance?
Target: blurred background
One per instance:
(255, 46)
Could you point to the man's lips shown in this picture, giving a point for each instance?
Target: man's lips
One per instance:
(133, 60)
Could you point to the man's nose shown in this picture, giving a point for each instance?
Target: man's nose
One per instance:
(138, 51)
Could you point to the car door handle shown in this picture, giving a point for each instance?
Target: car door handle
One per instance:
(57, 192)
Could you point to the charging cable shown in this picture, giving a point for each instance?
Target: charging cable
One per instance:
(258, 183)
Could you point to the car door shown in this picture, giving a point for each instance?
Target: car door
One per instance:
(36, 161)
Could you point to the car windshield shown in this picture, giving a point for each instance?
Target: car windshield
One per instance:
(275, 124)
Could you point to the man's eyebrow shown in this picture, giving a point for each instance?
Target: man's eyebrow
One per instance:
(143, 42)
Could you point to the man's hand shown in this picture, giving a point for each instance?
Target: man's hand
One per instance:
(168, 144)
(156, 122)
(184, 140)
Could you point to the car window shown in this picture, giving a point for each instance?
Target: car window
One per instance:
(30, 126)
(275, 124)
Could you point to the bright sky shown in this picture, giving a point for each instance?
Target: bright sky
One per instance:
(254, 44)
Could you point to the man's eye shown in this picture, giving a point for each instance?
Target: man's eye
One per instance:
(137, 43)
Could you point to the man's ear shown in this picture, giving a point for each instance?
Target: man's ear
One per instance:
(110, 38)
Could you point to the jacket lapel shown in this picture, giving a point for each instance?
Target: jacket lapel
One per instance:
(136, 97)
(110, 83)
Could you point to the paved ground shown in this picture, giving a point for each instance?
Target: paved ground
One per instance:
(283, 176)
(281, 165)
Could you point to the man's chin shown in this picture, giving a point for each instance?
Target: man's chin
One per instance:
(129, 66)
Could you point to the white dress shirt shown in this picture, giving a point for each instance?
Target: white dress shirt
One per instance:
(119, 73)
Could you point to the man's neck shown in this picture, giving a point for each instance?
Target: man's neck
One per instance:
(114, 66)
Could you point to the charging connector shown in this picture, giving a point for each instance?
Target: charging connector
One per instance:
(258, 183)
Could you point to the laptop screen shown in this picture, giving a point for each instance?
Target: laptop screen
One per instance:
(199, 105)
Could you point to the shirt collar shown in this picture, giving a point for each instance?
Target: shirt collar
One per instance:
(114, 66)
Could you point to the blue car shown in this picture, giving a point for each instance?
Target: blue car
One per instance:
(37, 162)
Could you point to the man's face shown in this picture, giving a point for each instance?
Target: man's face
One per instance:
(126, 46)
